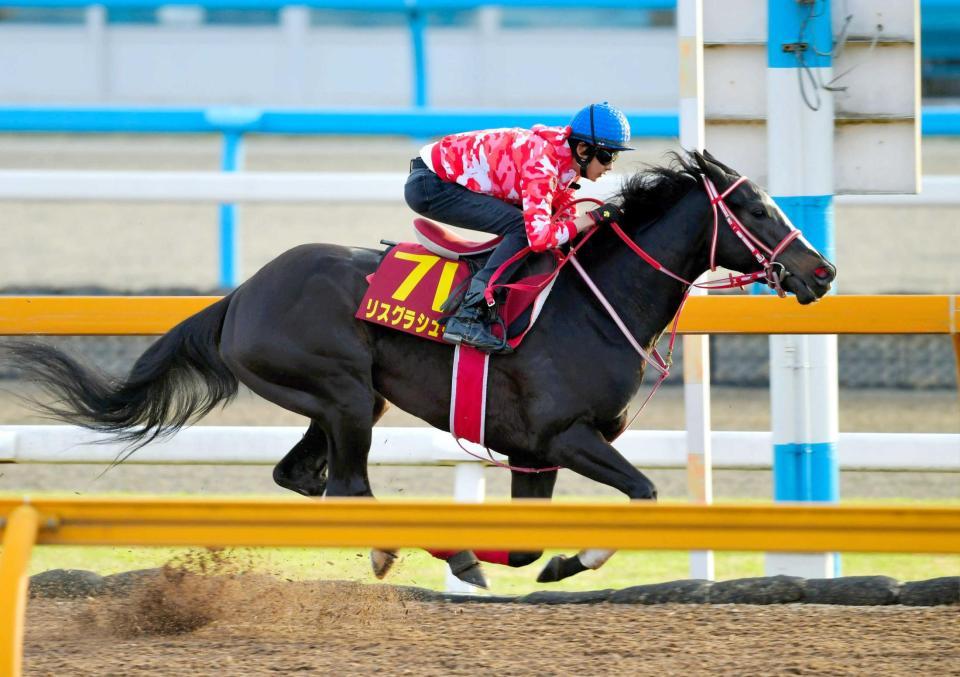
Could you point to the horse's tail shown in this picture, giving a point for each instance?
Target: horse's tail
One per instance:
(179, 379)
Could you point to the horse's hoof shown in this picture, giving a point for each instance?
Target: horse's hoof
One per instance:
(305, 486)
(465, 566)
(560, 567)
(382, 561)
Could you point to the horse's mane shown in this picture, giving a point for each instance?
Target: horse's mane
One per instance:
(648, 194)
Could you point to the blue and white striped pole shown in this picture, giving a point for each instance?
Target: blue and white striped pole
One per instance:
(803, 369)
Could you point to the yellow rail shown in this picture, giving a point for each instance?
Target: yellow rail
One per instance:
(522, 525)
(131, 315)
(18, 538)
(96, 315)
(496, 525)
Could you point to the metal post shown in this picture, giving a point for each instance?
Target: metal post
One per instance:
(803, 369)
(418, 26)
(696, 348)
(18, 539)
(469, 487)
(229, 250)
(488, 27)
(295, 24)
(96, 24)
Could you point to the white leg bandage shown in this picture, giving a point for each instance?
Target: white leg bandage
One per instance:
(594, 559)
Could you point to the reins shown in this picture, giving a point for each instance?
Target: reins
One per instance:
(773, 273)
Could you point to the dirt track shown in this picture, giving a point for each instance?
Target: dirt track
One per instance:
(254, 626)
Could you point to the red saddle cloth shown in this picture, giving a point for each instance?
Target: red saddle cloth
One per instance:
(409, 288)
(414, 280)
(411, 285)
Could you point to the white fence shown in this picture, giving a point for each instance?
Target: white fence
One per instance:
(249, 445)
(216, 187)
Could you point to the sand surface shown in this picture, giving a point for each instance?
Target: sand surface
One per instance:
(257, 626)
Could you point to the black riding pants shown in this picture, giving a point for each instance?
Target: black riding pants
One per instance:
(432, 197)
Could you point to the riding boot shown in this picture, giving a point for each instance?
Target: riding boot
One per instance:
(471, 323)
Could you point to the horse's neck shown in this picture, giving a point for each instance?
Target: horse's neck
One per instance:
(644, 296)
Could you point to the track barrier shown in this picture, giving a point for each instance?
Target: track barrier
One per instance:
(148, 315)
(149, 521)
(890, 314)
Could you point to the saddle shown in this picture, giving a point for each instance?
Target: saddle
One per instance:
(444, 242)
(419, 284)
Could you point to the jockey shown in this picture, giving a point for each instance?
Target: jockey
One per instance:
(516, 183)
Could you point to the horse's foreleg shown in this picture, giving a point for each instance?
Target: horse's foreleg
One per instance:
(582, 449)
(561, 566)
(585, 451)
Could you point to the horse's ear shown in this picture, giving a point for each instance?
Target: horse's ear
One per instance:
(699, 160)
(708, 156)
(705, 164)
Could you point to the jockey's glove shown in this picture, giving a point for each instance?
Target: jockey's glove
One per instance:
(606, 214)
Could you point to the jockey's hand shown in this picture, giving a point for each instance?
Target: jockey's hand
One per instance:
(606, 214)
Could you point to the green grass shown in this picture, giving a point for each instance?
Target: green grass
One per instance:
(415, 567)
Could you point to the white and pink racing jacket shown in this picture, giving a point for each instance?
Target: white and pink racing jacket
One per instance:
(531, 168)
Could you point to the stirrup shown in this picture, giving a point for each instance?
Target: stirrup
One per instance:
(476, 334)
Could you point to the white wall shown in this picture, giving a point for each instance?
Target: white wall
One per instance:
(295, 64)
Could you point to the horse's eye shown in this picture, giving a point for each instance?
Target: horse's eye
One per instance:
(759, 212)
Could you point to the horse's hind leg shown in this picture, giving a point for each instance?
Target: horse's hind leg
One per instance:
(529, 485)
(304, 468)
(338, 401)
(465, 564)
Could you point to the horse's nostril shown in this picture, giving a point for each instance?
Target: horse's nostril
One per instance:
(822, 273)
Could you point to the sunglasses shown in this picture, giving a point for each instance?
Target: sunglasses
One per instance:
(604, 156)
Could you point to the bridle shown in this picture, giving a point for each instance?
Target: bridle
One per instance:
(773, 271)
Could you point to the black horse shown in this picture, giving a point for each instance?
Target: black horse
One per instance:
(290, 335)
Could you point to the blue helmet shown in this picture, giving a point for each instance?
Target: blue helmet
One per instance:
(601, 125)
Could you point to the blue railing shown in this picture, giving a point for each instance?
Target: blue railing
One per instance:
(936, 120)
(372, 121)
(360, 5)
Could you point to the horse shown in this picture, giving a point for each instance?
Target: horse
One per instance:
(290, 335)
